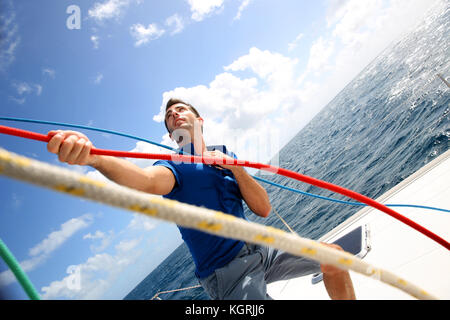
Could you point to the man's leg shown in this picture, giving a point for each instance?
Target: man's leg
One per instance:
(246, 277)
(284, 266)
(281, 265)
(241, 279)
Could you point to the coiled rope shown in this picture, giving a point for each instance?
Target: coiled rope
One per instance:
(237, 162)
(70, 125)
(189, 216)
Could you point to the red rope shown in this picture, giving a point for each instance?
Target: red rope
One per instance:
(281, 171)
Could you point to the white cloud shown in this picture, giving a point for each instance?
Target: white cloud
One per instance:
(38, 89)
(98, 78)
(95, 41)
(142, 222)
(96, 275)
(102, 272)
(109, 9)
(244, 4)
(92, 286)
(105, 240)
(275, 68)
(51, 73)
(356, 19)
(175, 22)
(202, 8)
(127, 245)
(143, 34)
(42, 251)
(320, 53)
(335, 10)
(292, 45)
(23, 89)
(9, 35)
(55, 239)
(97, 235)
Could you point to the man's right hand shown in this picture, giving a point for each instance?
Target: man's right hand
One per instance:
(71, 147)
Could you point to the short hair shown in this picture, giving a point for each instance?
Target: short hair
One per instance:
(173, 101)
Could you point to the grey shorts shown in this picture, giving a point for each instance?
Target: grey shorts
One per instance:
(246, 277)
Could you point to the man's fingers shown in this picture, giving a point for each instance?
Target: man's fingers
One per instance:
(52, 133)
(218, 157)
(327, 268)
(333, 245)
(66, 147)
(76, 150)
(208, 154)
(71, 132)
(83, 157)
(55, 142)
(71, 146)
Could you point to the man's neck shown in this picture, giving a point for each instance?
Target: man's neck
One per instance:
(195, 134)
(199, 146)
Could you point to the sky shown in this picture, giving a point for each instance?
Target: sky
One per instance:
(256, 70)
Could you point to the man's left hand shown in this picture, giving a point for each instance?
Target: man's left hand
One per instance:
(337, 281)
(328, 268)
(221, 158)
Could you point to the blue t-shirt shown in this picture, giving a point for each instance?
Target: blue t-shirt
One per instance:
(216, 189)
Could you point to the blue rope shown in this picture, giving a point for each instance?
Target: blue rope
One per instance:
(87, 128)
(172, 149)
(347, 202)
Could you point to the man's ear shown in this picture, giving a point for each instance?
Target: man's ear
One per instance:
(200, 119)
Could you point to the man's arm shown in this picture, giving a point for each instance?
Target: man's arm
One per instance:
(156, 180)
(74, 147)
(253, 193)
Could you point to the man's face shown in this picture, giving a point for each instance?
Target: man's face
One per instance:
(180, 116)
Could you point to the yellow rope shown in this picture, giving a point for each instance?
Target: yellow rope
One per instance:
(189, 216)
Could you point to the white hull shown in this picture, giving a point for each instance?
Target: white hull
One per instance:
(395, 246)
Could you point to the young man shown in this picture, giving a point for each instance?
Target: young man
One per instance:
(226, 268)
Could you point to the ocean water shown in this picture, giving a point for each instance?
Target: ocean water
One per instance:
(391, 120)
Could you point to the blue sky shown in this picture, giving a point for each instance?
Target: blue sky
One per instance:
(257, 70)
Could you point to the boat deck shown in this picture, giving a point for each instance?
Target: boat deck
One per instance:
(395, 246)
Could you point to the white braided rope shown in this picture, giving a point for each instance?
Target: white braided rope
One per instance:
(156, 296)
(210, 221)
